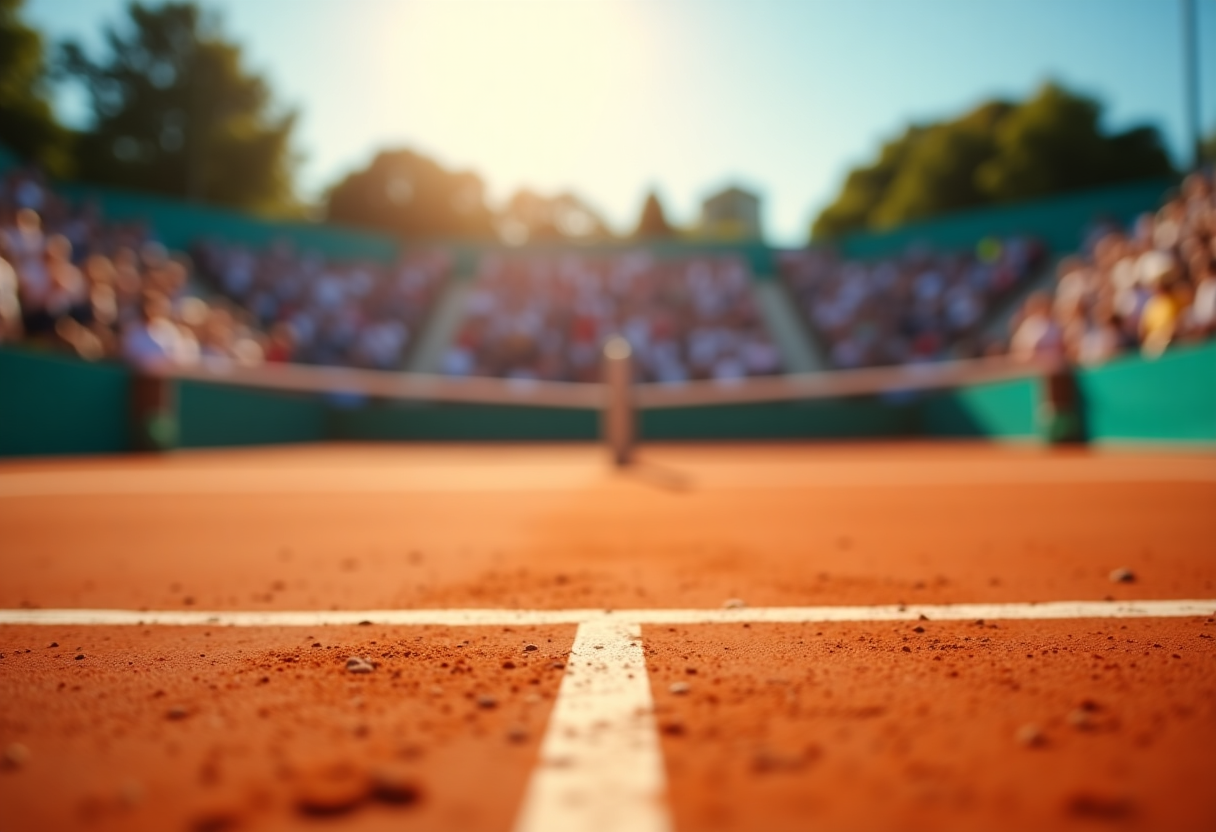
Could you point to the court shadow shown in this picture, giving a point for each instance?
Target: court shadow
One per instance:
(657, 476)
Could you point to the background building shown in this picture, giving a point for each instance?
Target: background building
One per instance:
(732, 214)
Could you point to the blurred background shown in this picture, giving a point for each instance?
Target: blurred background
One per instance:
(492, 189)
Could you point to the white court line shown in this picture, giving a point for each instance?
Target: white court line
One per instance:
(507, 617)
(600, 767)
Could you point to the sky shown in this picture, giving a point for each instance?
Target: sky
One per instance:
(611, 98)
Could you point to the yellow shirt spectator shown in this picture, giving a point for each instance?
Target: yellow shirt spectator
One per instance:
(1158, 323)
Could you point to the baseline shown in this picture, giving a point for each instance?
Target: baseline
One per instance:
(1180, 608)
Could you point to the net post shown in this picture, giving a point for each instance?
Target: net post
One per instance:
(618, 417)
(1061, 411)
(152, 412)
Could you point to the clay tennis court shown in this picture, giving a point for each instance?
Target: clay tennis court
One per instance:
(768, 637)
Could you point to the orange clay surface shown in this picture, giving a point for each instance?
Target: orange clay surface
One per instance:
(877, 726)
(784, 726)
(207, 729)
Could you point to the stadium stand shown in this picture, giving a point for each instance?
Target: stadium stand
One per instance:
(544, 316)
(224, 403)
(71, 278)
(86, 272)
(1146, 287)
(357, 314)
(921, 306)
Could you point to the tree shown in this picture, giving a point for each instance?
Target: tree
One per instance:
(938, 171)
(27, 122)
(176, 112)
(652, 224)
(407, 194)
(999, 152)
(864, 189)
(1054, 143)
(1207, 150)
(529, 217)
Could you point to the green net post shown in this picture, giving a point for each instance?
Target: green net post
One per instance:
(153, 413)
(1061, 409)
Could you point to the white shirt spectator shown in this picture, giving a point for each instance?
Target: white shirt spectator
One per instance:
(1203, 308)
(154, 344)
(1037, 336)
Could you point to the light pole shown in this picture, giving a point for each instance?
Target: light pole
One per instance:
(1190, 71)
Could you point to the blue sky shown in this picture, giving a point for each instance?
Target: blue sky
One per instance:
(611, 97)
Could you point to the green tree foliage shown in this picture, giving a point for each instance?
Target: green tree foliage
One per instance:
(27, 123)
(404, 193)
(998, 152)
(176, 112)
(938, 170)
(652, 224)
(1207, 150)
(864, 189)
(529, 217)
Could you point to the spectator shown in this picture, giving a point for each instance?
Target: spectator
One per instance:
(10, 303)
(154, 341)
(73, 281)
(356, 314)
(1037, 334)
(917, 307)
(545, 317)
(1147, 289)
(1201, 320)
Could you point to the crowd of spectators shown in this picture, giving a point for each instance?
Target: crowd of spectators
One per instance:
(354, 314)
(921, 306)
(546, 317)
(1142, 288)
(70, 280)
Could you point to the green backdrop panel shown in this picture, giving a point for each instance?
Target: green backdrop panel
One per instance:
(1005, 410)
(55, 405)
(1172, 399)
(826, 419)
(58, 405)
(179, 225)
(1059, 221)
(214, 415)
(467, 422)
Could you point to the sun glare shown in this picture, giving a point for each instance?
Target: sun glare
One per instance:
(530, 83)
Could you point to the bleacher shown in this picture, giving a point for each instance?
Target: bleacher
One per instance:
(917, 307)
(692, 301)
(839, 294)
(544, 317)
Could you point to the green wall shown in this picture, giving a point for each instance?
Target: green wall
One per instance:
(756, 254)
(1171, 399)
(216, 415)
(179, 225)
(1060, 221)
(855, 417)
(8, 160)
(55, 405)
(463, 422)
(1005, 410)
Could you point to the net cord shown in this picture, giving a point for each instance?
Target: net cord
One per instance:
(378, 384)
